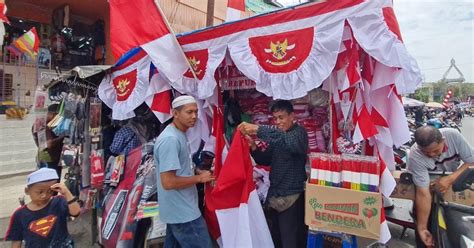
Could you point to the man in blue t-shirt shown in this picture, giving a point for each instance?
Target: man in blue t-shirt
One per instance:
(177, 192)
(42, 222)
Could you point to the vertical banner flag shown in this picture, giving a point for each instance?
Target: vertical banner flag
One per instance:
(234, 10)
(141, 23)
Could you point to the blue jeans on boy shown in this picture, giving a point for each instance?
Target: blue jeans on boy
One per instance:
(193, 234)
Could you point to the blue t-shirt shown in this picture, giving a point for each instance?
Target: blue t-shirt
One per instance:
(46, 227)
(172, 153)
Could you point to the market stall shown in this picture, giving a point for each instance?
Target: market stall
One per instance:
(343, 64)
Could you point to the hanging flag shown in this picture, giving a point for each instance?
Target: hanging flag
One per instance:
(159, 97)
(27, 44)
(126, 88)
(234, 10)
(235, 201)
(141, 23)
(3, 12)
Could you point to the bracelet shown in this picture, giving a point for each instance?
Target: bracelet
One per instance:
(72, 200)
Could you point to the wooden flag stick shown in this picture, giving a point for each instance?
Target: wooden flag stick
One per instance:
(174, 38)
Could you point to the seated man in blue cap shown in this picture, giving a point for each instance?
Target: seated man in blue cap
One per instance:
(43, 221)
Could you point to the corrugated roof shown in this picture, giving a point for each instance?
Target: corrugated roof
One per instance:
(259, 6)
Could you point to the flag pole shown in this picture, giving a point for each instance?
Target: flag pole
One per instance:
(174, 39)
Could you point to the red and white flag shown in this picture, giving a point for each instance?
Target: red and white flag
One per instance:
(159, 97)
(126, 89)
(141, 23)
(234, 10)
(235, 201)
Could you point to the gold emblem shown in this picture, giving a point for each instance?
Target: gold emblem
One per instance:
(278, 51)
(122, 87)
(194, 64)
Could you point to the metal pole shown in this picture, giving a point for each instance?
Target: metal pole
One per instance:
(210, 13)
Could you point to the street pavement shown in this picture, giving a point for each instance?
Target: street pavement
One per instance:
(18, 133)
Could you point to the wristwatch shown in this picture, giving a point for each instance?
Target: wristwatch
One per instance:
(72, 200)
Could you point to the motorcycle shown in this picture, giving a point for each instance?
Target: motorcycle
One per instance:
(453, 224)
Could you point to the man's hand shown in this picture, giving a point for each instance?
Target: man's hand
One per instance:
(426, 237)
(61, 189)
(248, 128)
(443, 183)
(251, 141)
(205, 176)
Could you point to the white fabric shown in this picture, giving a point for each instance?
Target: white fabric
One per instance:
(42, 175)
(182, 100)
(200, 131)
(122, 110)
(373, 35)
(245, 226)
(2, 31)
(204, 88)
(232, 14)
(158, 85)
(167, 56)
(385, 235)
(317, 67)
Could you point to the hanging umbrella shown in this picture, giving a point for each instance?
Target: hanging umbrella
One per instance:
(434, 105)
(409, 102)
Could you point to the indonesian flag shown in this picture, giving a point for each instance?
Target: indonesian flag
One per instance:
(159, 97)
(140, 23)
(234, 9)
(126, 88)
(235, 201)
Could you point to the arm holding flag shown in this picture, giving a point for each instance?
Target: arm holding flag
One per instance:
(170, 181)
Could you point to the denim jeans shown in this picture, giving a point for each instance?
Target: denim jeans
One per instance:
(191, 234)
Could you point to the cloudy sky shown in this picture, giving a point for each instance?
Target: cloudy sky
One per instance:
(434, 31)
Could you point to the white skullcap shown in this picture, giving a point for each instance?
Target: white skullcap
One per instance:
(42, 175)
(182, 100)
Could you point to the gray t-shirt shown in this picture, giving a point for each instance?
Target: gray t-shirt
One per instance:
(172, 153)
(456, 149)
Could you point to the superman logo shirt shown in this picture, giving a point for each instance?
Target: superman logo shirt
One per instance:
(46, 227)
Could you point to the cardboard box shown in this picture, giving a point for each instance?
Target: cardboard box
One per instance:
(407, 191)
(343, 210)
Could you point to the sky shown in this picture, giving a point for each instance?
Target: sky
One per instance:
(434, 31)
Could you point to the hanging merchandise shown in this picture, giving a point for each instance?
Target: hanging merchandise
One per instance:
(117, 170)
(67, 111)
(97, 169)
(95, 110)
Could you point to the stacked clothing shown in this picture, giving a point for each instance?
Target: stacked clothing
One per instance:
(256, 105)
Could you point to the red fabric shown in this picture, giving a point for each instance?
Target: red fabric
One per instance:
(198, 61)
(392, 22)
(130, 61)
(236, 4)
(218, 133)
(353, 69)
(134, 23)
(377, 118)
(132, 164)
(125, 84)
(269, 19)
(277, 58)
(3, 17)
(367, 127)
(162, 102)
(235, 181)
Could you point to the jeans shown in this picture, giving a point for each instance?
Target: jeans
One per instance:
(191, 234)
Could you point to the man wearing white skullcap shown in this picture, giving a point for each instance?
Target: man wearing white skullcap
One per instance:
(177, 181)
